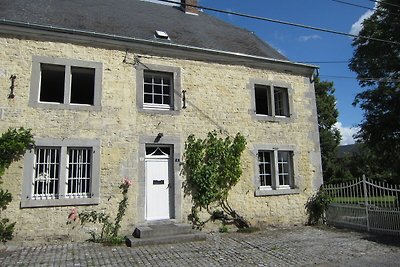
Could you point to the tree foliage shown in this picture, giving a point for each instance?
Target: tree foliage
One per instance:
(212, 167)
(13, 145)
(328, 134)
(377, 65)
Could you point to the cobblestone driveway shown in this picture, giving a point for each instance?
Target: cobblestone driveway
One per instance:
(298, 246)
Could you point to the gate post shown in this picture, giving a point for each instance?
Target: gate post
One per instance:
(364, 180)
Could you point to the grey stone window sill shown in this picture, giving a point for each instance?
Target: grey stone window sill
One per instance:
(158, 111)
(272, 118)
(276, 192)
(33, 203)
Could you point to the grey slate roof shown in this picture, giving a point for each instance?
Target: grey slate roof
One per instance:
(138, 19)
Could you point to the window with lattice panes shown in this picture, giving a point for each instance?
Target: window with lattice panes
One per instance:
(158, 90)
(275, 169)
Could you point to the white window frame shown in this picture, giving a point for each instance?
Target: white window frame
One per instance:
(68, 64)
(275, 188)
(162, 76)
(30, 198)
(271, 88)
(175, 91)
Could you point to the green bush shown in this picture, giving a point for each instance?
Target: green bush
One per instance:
(316, 206)
(13, 145)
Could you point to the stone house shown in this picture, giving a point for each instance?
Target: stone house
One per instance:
(112, 89)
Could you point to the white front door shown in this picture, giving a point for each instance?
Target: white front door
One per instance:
(157, 173)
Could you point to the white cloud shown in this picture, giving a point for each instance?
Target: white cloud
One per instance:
(305, 38)
(357, 26)
(347, 133)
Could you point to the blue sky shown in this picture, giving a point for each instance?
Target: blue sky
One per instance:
(302, 45)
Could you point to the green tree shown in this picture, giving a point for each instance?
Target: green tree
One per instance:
(212, 167)
(377, 65)
(329, 136)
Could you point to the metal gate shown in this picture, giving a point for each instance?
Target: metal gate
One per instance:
(365, 204)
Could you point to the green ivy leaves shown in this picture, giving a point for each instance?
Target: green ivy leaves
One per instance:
(13, 145)
(212, 167)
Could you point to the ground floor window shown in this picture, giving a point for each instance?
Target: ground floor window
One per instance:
(275, 169)
(61, 172)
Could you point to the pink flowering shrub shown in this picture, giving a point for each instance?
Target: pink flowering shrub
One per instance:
(109, 229)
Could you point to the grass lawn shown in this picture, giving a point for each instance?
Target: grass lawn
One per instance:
(384, 200)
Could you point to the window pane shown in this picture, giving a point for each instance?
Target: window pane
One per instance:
(52, 79)
(285, 173)
(281, 101)
(262, 100)
(157, 88)
(47, 173)
(148, 88)
(148, 98)
(157, 79)
(166, 100)
(79, 172)
(82, 85)
(158, 99)
(265, 168)
(167, 81)
(166, 90)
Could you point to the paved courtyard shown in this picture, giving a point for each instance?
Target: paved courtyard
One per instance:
(296, 246)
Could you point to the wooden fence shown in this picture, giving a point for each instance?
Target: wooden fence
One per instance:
(365, 204)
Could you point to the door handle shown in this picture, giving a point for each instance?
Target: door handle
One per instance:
(158, 182)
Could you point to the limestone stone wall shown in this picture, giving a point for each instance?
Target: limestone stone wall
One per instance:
(217, 98)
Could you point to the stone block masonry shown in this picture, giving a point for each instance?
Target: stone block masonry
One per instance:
(217, 97)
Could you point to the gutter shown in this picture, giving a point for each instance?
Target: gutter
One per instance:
(146, 42)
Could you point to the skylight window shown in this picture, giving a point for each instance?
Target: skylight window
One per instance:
(162, 35)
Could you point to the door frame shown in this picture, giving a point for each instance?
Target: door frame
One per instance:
(168, 159)
(174, 142)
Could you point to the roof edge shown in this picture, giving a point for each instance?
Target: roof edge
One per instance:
(49, 28)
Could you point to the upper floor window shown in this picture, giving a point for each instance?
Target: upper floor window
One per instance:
(158, 88)
(61, 172)
(270, 101)
(68, 84)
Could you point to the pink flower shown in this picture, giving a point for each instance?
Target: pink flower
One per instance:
(73, 215)
(127, 182)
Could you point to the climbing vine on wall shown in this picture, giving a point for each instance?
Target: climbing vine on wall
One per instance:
(13, 145)
(212, 168)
